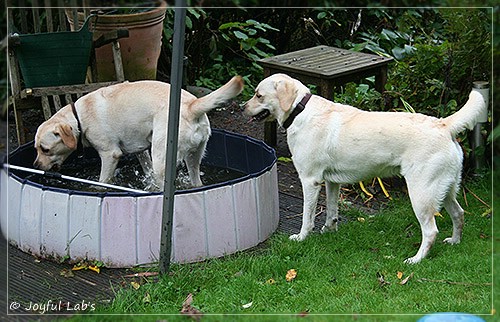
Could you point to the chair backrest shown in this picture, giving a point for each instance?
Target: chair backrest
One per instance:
(35, 16)
(49, 16)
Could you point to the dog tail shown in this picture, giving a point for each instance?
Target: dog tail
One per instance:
(466, 117)
(208, 102)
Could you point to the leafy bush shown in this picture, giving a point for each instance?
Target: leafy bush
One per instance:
(222, 43)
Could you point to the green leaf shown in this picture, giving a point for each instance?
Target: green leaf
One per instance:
(240, 35)
(259, 52)
(251, 31)
(194, 12)
(189, 23)
(359, 47)
(253, 56)
(407, 105)
(284, 159)
(229, 25)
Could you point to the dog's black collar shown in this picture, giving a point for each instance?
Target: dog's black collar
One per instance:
(79, 147)
(296, 111)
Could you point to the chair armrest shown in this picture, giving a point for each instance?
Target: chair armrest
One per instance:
(110, 36)
(12, 40)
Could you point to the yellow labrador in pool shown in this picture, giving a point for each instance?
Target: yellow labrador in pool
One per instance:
(131, 117)
(333, 144)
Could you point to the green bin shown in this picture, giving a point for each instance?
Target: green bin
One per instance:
(55, 58)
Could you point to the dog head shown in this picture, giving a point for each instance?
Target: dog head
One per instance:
(54, 142)
(274, 98)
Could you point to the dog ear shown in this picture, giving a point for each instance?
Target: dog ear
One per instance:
(66, 133)
(286, 93)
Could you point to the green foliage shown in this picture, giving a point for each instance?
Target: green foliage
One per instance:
(220, 44)
(246, 35)
(438, 52)
(446, 56)
(246, 41)
(362, 96)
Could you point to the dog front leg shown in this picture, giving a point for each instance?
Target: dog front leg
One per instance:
(310, 193)
(145, 160)
(109, 161)
(332, 198)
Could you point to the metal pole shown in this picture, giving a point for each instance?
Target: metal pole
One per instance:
(172, 135)
(65, 177)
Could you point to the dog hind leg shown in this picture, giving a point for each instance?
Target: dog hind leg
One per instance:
(425, 203)
(457, 216)
(332, 198)
(310, 190)
(193, 160)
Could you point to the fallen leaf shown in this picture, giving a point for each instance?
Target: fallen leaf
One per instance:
(146, 299)
(407, 278)
(79, 266)
(135, 285)
(291, 275)
(361, 219)
(66, 273)
(188, 301)
(487, 212)
(190, 311)
(95, 268)
(438, 214)
(400, 275)
(246, 306)
(270, 281)
(284, 159)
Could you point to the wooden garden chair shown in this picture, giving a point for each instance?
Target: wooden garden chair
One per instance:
(51, 18)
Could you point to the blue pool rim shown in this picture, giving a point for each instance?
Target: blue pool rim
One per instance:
(248, 155)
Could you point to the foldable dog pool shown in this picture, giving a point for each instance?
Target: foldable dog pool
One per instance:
(122, 229)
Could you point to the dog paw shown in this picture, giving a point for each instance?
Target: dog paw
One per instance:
(326, 229)
(297, 237)
(451, 241)
(412, 260)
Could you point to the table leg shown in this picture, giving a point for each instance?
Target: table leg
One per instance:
(326, 89)
(270, 134)
(270, 128)
(381, 79)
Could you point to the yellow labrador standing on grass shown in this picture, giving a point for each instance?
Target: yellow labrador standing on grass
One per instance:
(131, 117)
(333, 144)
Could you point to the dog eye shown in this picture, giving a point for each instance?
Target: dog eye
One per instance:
(44, 150)
(258, 95)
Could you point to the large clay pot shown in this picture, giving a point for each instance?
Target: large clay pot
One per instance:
(140, 51)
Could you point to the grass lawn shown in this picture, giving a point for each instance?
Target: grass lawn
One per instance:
(353, 272)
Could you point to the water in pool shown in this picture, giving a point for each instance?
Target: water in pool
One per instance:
(129, 174)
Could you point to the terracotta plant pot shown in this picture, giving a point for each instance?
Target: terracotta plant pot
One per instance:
(140, 51)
